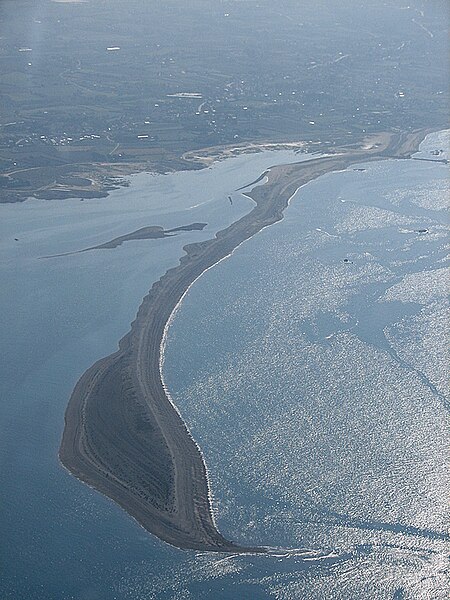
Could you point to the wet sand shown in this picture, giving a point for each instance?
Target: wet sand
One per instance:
(123, 435)
(153, 232)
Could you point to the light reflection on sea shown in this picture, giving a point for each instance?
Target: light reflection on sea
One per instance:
(317, 390)
(308, 445)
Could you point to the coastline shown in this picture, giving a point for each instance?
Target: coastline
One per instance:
(123, 435)
(88, 180)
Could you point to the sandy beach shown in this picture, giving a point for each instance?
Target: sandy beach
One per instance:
(123, 435)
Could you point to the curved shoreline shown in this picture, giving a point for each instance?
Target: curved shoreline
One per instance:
(123, 435)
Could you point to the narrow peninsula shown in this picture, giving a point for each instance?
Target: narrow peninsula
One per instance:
(123, 435)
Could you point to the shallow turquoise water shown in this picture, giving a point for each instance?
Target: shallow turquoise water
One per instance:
(312, 385)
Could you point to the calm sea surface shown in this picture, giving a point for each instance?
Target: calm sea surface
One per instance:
(314, 382)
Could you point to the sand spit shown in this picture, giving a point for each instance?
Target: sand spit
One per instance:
(123, 435)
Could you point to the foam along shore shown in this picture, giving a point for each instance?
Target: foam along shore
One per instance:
(123, 435)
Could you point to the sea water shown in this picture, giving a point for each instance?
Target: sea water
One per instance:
(314, 386)
(315, 383)
(59, 539)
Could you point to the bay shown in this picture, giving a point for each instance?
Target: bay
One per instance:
(314, 386)
(59, 315)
